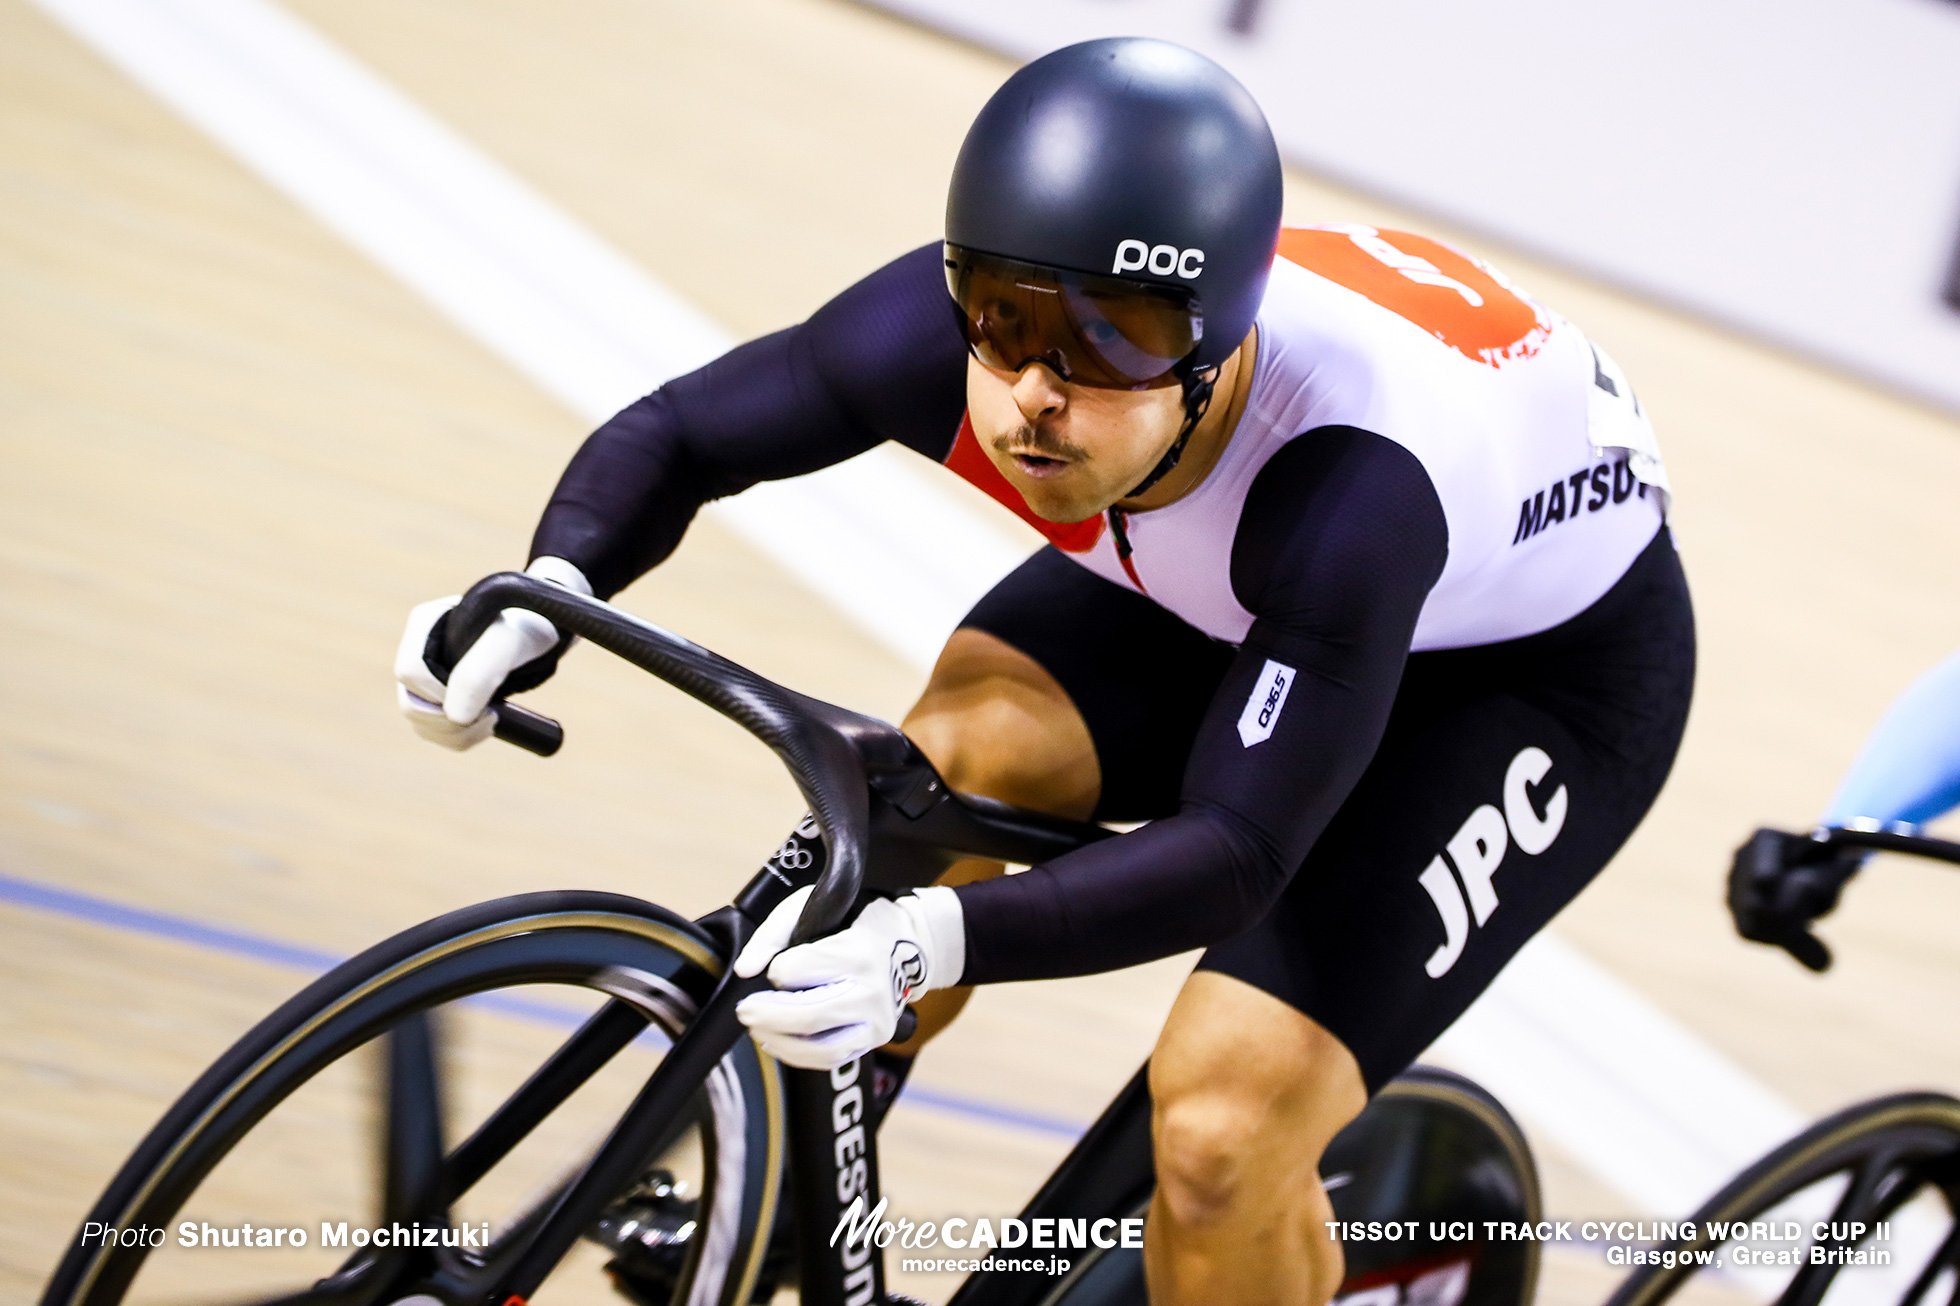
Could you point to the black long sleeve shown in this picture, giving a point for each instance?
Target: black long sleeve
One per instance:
(885, 360)
(1341, 539)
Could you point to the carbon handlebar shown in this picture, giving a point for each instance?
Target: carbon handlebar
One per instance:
(829, 751)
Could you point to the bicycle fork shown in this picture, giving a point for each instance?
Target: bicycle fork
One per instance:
(618, 1161)
(833, 1128)
(832, 1121)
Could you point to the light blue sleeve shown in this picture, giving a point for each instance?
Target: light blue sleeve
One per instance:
(1909, 769)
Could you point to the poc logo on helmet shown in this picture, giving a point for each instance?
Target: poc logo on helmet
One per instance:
(1159, 260)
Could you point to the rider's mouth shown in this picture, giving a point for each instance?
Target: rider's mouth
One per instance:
(1039, 466)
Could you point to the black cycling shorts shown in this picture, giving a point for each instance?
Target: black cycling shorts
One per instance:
(1450, 853)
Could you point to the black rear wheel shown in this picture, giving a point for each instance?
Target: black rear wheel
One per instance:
(1431, 1146)
(414, 1113)
(1850, 1172)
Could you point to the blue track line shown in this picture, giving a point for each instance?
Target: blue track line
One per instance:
(920, 1095)
(160, 925)
(115, 915)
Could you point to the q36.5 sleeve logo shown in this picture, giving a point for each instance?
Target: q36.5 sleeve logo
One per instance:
(1262, 709)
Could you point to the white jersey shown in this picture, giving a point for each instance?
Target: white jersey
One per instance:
(1544, 463)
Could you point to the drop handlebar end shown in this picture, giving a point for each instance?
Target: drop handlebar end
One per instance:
(530, 731)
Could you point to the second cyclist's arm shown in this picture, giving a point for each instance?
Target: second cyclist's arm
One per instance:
(884, 360)
(1341, 539)
(1909, 770)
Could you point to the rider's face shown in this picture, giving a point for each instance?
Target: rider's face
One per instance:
(1071, 450)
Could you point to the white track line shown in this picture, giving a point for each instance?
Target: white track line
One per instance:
(1655, 1112)
(560, 305)
(1627, 1091)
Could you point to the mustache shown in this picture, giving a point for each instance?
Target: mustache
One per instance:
(1029, 438)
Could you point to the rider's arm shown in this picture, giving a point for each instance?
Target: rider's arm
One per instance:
(1341, 539)
(884, 360)
(1909, 770)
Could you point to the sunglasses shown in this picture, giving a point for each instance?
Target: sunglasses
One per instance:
(1097, 331)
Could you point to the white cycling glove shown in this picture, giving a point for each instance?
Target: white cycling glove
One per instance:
(453, 715)
(840, 997)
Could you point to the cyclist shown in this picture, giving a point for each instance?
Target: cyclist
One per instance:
(1359, 592)
(1907, 774)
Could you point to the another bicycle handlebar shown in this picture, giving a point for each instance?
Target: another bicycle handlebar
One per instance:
(1939, 850)
(1780, 884)
(828, 750)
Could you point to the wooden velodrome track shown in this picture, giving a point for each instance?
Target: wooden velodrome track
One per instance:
(235, 453)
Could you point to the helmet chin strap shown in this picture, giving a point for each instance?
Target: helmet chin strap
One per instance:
(1198, 384)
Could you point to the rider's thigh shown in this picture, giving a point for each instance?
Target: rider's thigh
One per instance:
(1246, 1093)
(996, 723)
(1085, 652)
(1508, 777)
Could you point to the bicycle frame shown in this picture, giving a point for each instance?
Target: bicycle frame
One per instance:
(881, 820)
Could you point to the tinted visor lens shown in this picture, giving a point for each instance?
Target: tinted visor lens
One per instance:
(1095, 331)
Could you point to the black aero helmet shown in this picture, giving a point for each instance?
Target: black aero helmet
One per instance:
(1134, 159)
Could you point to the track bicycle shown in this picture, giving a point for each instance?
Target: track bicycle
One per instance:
(1853, 1172)
(728, 1172)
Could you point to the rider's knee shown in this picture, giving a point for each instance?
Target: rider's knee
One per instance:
(1205, 1144)
(995, 723)
(1229, 1122)
(971, 754)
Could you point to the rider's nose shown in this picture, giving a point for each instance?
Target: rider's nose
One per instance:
(1038, 392)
